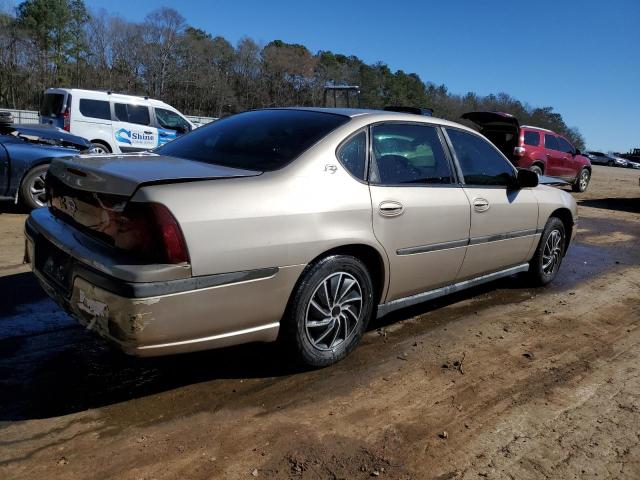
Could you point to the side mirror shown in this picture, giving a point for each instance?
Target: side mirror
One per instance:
(527, 178)
(577, 152)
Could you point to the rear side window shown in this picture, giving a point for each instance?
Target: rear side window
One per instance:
(262, 140)
(138, 114)
(51, 105)
(408, 153)
(353, 154)
(95, 108)
(480, 162)
(564, 146)
(532, 138)
(551, 142)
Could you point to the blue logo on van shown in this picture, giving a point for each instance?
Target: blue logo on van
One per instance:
(123, 136)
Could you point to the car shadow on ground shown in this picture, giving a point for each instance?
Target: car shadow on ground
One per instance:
(9, 206)
(631, 205)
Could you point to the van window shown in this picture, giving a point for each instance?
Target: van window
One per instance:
(171, 120)
(138, 114)
(95, 108)
(51, 105)
(532, 138)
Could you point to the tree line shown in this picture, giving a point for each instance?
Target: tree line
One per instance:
(49, 43)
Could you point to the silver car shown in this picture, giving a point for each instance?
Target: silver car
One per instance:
(297, 225)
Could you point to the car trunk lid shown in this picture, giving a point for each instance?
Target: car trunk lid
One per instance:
(122, 175)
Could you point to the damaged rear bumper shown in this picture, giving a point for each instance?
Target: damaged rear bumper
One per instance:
(160, 317)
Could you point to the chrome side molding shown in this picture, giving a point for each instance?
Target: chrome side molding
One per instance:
(389, 307)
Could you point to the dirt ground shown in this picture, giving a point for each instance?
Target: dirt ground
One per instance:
(501, 382)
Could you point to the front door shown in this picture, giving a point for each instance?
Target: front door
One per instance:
(420, 214)
(503, 219)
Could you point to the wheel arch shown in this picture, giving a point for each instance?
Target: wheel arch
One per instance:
(565, 216)
(373, 259)
(103, 142)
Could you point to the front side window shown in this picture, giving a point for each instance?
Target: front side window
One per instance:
(532, 138)
(95, 109)
(480, 162)
(171, 120)
(551, 142)
(262, 140)
(353, 155)
(408, 154)
(564, 146)
(138, 114)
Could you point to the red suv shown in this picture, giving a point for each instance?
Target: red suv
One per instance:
(537, 149)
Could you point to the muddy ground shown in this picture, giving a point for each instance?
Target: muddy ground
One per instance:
(502, 381)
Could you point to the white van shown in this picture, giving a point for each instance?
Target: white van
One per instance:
(113, 122)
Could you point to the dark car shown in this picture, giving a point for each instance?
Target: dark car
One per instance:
(25, 154)
(538, 149)
(604, 159)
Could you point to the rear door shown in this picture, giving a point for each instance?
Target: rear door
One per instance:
(503, 219)
(420, 212)
(555, 158)
(132, 127)
(52, 107)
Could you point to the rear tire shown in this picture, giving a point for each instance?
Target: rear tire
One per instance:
(547, 259)
(32, 194)
(537, 169)
(329, 311)
(582, 181)
(100, 148)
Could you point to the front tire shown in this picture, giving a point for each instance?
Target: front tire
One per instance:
(329, 311)
(546, 262)
(32, 194)
(582, 182)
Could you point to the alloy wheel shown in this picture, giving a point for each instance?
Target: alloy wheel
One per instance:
(334, 311)
(36, 189)
(552, 252)
(584, 180)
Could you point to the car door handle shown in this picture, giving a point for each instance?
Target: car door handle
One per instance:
(390, 208)
(480, 204)
(548, 155)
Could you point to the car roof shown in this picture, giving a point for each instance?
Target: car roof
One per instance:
(382, 115)
(111, 95)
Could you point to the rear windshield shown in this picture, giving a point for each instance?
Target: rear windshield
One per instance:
(262, 140)
(51, 104)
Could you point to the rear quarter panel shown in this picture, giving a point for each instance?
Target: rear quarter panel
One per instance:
(277, 219)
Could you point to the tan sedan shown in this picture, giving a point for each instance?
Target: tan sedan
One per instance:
(296, 225)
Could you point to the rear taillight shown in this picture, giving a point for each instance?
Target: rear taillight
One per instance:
(519, 151)
(66, 117)
(150, 231)
(175, 248)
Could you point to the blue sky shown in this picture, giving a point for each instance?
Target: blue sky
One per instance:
(581, 57)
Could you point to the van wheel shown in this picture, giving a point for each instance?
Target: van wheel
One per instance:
(32, 193)
(100, 148)
(536, 169)
(329, 311)
(582, 182)
(545, 264)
